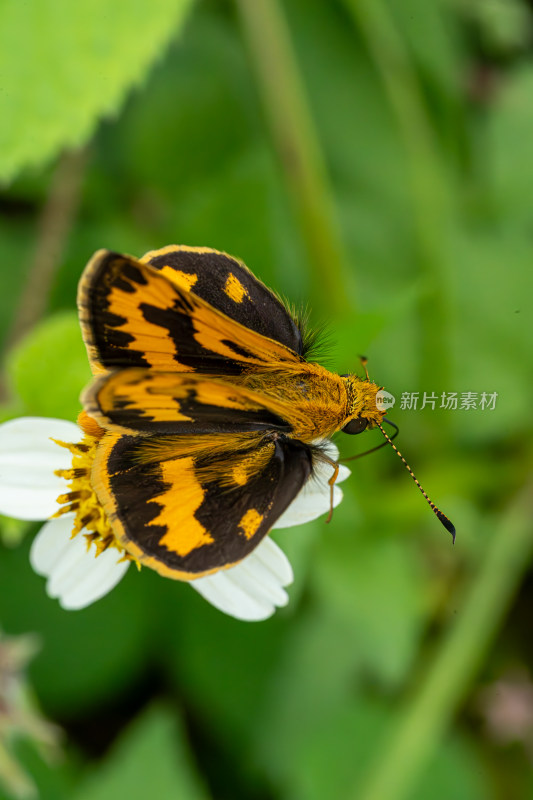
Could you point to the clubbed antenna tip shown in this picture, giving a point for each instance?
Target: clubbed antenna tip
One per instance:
(438, 513)
(450, 527)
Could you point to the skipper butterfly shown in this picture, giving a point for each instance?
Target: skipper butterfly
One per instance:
(211, 414)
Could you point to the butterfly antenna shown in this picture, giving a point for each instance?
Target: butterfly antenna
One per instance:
(438, 513)
(364, 362)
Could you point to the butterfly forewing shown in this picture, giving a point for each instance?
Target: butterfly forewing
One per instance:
(187, 509)
(228, 285)
(133, 315)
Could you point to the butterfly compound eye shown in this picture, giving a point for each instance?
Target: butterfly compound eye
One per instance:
(357, 425)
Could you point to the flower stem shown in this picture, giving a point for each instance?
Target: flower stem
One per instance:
(54, 226)
(427, 180)
(283, 94)
(423, 721)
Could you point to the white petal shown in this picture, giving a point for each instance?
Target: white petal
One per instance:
(252, 589)
(75, 577)
(308, 505)
(273, 558)
(50, 544)
(329, 447)
(323, 472)
(28, 458)
(313, 499)
(323, 469)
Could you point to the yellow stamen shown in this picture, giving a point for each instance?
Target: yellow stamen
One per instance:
(81, 497)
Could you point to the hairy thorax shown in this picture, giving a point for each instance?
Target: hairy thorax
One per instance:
(317, 402)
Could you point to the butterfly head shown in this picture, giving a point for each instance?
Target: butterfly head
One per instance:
(362, 407)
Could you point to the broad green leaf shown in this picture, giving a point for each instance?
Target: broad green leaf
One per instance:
(151, 759)
(456, 770)
(332, 760)
(49, 368)
(325, 745)
(376, 587)
(316, 674)
(64, 65)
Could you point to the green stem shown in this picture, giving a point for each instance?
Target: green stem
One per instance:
(428, 185)
(293, 131)
(17, 782)
(425, 719)
(54, 226)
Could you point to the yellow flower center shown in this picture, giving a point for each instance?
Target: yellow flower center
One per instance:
(81, 498)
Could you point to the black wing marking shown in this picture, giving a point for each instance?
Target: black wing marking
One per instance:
(227, 284)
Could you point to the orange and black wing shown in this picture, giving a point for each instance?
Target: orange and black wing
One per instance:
(146, 401)
(187, 508)
(227, 284)
(133, 315)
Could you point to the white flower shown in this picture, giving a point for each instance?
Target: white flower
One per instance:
(251, 590)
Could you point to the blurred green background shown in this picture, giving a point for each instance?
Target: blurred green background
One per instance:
(375, 160)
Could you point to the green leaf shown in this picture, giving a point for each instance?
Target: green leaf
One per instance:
(49, 368)
(64, 65)
(312, 682)
(151, 759)
(327, 758)
(330, 749)
(454, 771)
(377, 588)
(331, 760)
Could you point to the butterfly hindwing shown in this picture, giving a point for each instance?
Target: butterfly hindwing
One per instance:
(186, 507)
(142, 400)
(132, 315)
(227, 284)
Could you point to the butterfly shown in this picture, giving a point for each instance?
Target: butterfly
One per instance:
(212, 414)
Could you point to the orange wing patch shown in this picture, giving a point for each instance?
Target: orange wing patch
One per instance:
(179, 504)
(235, 290)
(250, 522)
(185, 280)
